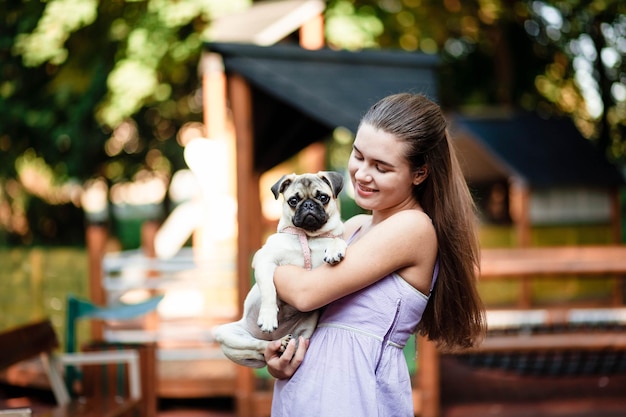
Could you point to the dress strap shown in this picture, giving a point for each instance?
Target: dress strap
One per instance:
(435, 275)
(356, 232)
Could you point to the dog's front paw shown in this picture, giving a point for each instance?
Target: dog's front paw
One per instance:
(268, 319)
(334, 253)
(284, 341)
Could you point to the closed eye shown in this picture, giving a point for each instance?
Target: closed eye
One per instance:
(380, 168)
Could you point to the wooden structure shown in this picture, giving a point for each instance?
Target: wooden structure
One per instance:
(303, 107)
(528, 170)
(575, 327)
(282, 99)
(137, 396)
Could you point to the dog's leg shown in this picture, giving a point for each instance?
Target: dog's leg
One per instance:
(305, 328)
(335, 252)
(238, 340)
(264, 274)
(239, 346)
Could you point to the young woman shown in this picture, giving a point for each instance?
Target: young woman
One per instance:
(411, 266)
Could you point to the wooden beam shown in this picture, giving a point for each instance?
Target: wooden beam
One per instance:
(587, 340)
(520, 212)
(428, 380)
(553, 260)
(213, 94)
(248, 216)
(312, 33)
(616, 215)
(96, 237)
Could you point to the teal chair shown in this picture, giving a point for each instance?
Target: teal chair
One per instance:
(79, 308)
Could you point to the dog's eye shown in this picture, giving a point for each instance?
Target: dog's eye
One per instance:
(323, 198)
(293, 201)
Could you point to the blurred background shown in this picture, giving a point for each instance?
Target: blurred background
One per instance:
(101, 102)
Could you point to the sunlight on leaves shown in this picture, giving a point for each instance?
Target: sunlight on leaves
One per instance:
(352, 29)
(60, 19)
(130, 84)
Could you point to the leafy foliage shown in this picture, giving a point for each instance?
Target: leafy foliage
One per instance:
(546, 56)
(94, 88)
(73, 72)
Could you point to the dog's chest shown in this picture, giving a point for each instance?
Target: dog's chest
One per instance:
(295, 250)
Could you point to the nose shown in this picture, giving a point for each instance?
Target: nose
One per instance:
(361, 174)
(308, 205)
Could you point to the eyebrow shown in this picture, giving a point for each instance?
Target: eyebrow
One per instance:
(378, 161)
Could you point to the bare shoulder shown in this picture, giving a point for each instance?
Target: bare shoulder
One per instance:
(415, 243)
(405, 231)
(352, 224)
(410, 223)
(410, 230)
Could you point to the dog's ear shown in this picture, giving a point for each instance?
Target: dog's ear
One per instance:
(281, 184)
(334, 179)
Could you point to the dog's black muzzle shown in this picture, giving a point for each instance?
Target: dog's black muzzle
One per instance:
(310, 215)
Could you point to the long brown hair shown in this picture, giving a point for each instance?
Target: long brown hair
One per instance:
(454, 316)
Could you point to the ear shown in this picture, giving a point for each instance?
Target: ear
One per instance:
(334, 179)
(281, 184)
(420, 175)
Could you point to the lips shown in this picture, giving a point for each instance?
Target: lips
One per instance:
(364, 191)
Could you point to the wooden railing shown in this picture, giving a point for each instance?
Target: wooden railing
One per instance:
(524, 264)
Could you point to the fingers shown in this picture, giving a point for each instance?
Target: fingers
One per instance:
(272, 350)
(290, 350)
(298, 356)
(285, 365)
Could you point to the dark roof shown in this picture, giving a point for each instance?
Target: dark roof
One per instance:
(541, 152)
(300, 96)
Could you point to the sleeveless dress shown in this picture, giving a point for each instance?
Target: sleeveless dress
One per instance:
(354, 365)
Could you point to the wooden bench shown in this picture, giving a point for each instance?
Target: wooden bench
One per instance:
(40, 340)
(592, 327)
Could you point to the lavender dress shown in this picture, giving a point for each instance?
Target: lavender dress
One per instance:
(354, 365)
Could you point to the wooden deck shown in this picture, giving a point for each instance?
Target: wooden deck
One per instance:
(466, 392)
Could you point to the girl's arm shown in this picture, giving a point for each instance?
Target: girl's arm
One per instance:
(405, 242)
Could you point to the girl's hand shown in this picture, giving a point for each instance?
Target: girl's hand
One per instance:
(285, 365)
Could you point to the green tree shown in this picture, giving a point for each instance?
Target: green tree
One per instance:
(562, 57)
(91, 88)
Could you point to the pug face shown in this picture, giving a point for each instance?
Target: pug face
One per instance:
(310, 200)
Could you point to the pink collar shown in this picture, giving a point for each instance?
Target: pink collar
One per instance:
(306, 250)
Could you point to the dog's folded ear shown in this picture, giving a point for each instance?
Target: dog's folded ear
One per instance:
(281, 184)
(333, 179)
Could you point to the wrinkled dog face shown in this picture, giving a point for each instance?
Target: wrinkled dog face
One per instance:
(310, 199)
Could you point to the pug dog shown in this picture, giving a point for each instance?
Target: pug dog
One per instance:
(310, 231)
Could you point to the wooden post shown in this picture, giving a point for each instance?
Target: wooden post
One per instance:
(616, 215)
(520, 213)
(248, 214)
(312, 33)
(149, 229)
(213, 94)
(215, 121)
(616, 229)
(428, 367)
(96, 237)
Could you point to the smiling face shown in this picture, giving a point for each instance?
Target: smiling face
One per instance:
(380, 172)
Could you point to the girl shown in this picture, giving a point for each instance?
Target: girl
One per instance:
(411, 266)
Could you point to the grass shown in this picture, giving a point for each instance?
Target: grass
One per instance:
(34, 284)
